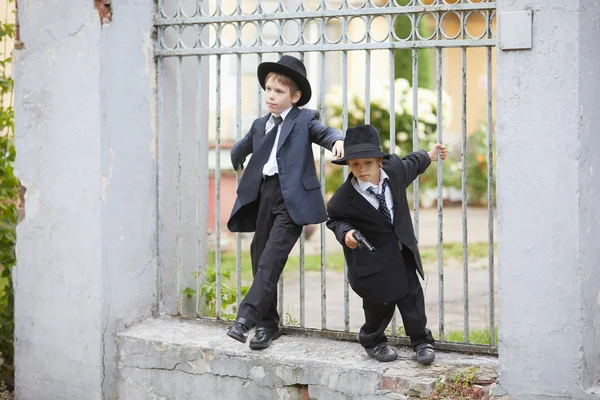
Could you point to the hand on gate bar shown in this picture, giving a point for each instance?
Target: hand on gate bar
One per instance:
(433, 153)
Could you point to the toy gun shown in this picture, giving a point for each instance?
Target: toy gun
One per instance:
(362, 241)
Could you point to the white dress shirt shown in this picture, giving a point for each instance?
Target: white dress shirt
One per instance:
(361, 187)
(271, 167)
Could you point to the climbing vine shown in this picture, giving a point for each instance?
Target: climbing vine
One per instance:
(9, 197)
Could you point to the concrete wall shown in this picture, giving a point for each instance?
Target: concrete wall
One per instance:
(86, 154)
(547, 132)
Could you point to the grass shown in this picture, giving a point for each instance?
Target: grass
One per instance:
(454, 250)
(312, 262)
(475, 336)
(481, 336)
(335, 261)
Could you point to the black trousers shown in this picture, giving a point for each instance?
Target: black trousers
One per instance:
(411, 307)
(275, 236)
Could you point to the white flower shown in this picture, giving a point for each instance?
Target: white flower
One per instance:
(333, 98)
(379, 97)
(335, 122)
(401, 85)
(402, 136)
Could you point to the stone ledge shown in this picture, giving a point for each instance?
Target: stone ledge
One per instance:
(170, 358)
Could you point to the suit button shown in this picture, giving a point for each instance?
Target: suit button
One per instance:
(398, 253)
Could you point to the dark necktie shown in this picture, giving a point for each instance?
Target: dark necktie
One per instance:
(381, 198)
(273, 131)
(261, 155)
(250, 183)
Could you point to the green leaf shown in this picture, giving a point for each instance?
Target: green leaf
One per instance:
(189, 292)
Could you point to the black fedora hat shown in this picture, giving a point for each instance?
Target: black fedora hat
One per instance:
(361, 141)
(291, 67)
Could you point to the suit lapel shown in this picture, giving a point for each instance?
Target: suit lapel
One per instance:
(261, 134)
(288, 124)
(360, 203)
(262, 126)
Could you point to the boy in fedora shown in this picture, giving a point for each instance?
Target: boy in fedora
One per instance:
(373, 201)
(279, 191)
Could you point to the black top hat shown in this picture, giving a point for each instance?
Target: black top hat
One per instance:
(361, 141)
(291, 67)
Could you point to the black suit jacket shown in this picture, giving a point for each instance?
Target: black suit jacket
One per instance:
(379, 277)
(300, 186)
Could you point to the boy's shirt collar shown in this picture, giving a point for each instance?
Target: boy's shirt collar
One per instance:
(366, 185)
(283, 114)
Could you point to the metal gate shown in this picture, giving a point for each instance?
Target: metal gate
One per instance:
(207, 93)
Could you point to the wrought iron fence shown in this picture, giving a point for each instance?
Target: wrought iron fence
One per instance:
(205, 51)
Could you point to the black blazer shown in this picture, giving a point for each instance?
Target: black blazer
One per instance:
(300, 186)
(379, 277)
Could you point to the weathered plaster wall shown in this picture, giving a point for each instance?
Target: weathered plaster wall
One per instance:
(547, 239)
(86, 154)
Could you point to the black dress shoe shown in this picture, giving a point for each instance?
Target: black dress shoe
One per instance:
(238, 331)
(425, 353)
(264, 337)
(382, 352)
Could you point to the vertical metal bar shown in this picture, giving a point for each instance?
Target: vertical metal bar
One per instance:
(367, 74)
(160, 221)
(392, 104)
(440, 197)
(238, 135)
(281, 294)
(218, 170)
(490, 188)
(218, 189)
(415, 121)
(200, 143)
(280, 297)
(159, 179)
(465, 244)
(344, 128)
(322, 174)
(179, 129)
(392, 123)
(368, 87)
(259, 94)
(302, 261)
(302, 293)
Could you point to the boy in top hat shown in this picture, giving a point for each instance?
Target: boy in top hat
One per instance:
(373, 201)
(279, 191)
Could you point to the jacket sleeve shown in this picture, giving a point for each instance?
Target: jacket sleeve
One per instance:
(415, 164)
(242, 149)
(322, 135)
(337, 223)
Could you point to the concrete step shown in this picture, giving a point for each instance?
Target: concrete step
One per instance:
(171, 358)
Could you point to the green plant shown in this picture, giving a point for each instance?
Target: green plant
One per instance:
(9, 195)
(458, 387)
(208, 293)
(289, 320)
(399, 331)
(477, 167)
